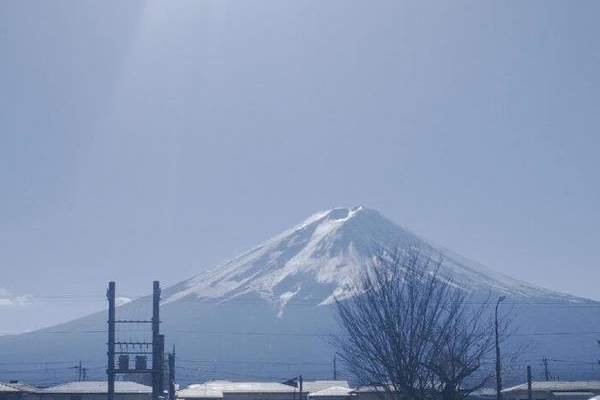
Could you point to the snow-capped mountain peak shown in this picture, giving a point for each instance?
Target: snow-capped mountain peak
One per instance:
(321, 258)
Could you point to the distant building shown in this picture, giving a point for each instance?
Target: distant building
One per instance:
(332, 393)
(95, 390)
(316, 386)
(554, 390)
(227, 390)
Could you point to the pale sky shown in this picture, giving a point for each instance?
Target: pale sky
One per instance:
(153, 140)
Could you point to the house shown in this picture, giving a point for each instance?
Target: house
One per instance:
(16, 390)
(554, 390)
(228, 390)
(221, 389)
(95, 390)
(311, 387)
(332, 393)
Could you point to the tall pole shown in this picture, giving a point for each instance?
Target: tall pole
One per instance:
(172, 375)
(498, 364)
(529, 390)
(546, 373)
(335, 367)
(300, 383)
(156, 357)
(111, 340)
(161, 376)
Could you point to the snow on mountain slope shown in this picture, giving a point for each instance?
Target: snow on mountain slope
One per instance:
(322, 257)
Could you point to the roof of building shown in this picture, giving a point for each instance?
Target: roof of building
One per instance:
(216, 388)
(24, 387)
(368, 389)
(5, 388)
(484, 392)
(200, 391)
(98, 387)
(12, 387)
(316, 386)
(332, 391)
(558, 386)
(585, 395)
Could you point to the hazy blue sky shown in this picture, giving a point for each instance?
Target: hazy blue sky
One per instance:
(143, 140)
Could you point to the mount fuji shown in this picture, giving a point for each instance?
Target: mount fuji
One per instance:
(321, 258)
(268, 313)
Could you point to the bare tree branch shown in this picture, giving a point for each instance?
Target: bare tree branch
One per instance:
(410, 331)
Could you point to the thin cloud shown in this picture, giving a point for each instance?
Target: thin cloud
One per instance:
(9, 300)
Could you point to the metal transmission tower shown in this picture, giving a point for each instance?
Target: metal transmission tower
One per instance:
(137, 348)
(546, 373)
(81, 370)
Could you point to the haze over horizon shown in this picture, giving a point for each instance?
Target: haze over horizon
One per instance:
(154, 140)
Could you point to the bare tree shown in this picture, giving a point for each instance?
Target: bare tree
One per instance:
(410, 332)
(463, 343)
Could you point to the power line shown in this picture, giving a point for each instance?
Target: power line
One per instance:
(257, 362)
(283, 334)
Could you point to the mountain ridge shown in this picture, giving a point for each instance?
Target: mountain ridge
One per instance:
(328, 251)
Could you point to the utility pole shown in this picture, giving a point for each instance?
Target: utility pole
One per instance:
(546, 373)
(172, 374)
(137, 348)
(110, 371)
(157, 367)
(161, 361)
(498, 364)
(80, 370)
(335, 367)
(300, 384)
(529, 391)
